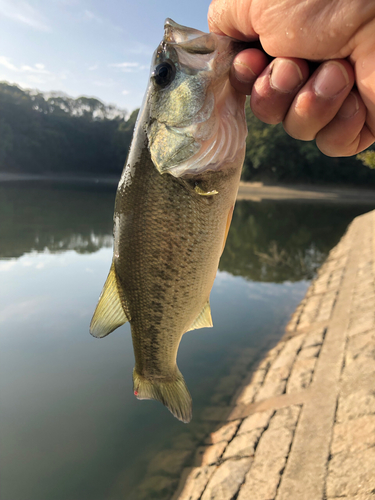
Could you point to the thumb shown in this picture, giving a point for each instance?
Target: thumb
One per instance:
(231, 19)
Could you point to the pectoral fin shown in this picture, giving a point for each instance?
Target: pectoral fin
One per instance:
(204, 319)
(201, 192)
(109, 313)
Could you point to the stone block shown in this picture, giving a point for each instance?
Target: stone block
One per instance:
(360, 326)
(309, 352)
(227, 479)
(209, 455)
(351, 474)
(357, 375)
(262, 480)
(243, 445)
(224, 432)
(314, 338)
(301, 375)
(361, 346)
(248, 394)
(279, 373)
(354, 435)
(287, 355)
(196, 483)
(285, 418)
(271, 389)
(259, 420)
(357, 497)
(356, 405)
(258, 377)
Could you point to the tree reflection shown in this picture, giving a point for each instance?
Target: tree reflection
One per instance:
(268, 241)
(283, 241)
(39, 217)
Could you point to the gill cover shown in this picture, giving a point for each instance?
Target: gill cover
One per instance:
(196, 120)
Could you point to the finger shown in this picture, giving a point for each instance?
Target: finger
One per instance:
(275, 89)
(319, 100)
(234, 21)
(346, 134)
(246, 68)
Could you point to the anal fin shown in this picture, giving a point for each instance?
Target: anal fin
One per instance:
(204, 319)
(109, 313)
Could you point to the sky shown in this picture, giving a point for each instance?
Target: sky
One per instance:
(99, 48)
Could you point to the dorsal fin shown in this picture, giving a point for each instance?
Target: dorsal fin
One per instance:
(204, 319)
(109, 313)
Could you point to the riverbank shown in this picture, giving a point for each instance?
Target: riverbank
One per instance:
(303, 425)
(252, 191)
(68, 178)
(257, 191)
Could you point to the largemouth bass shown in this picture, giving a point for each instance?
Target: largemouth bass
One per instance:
(173, 208)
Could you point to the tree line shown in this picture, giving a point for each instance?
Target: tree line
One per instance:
(56, 134)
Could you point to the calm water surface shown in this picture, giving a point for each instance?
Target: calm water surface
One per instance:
(70, 427)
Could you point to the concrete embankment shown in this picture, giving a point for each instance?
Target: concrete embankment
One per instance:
(257, 191)
(303, 425)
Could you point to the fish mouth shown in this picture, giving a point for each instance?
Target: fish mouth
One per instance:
(198, 42)
(176, 33)
(196, 121)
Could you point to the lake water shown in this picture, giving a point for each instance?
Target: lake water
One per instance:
(70, 427)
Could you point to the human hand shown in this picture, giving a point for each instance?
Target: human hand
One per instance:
(323, 105)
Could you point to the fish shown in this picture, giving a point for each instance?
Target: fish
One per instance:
(173, 208)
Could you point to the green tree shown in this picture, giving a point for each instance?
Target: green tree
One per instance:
(367, 158)
(274, 156)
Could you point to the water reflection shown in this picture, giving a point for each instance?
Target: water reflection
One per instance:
(70, 427)
(279, 241)
(268, 241)
(54, 217)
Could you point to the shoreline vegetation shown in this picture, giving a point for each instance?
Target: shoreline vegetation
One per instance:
(251, 191)
(56, 135)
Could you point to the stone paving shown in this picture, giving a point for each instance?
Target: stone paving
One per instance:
(303, 426)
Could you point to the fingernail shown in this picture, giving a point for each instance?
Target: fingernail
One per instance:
(285, 76)
(331, 80)
(243, 73)
(349, 107)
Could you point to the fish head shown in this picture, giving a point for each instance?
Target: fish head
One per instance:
(195, 118)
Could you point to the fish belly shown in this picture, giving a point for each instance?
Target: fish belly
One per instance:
(168, 242)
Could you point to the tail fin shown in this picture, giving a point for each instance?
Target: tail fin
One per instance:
(173, 394)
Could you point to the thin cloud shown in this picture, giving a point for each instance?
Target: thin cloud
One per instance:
(36, 69)
(128, 67)
(124, 65)
(125, 92)
(93, 68)
(5, 61)
(92, 17)
(23, 13)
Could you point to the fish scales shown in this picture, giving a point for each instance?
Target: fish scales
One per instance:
(173, 208)
(179, 232)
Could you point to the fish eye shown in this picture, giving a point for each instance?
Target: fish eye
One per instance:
(164, 73)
